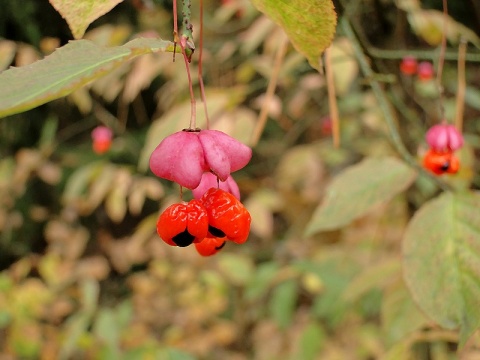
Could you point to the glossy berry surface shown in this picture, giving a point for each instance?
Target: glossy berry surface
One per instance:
(408, 66)
(210, 246)
(226, 216)
(440, 163)
(444, 138)
(183, 224)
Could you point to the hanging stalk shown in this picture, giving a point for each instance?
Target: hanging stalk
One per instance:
(200, 69)
(461, 85)
(187, 48)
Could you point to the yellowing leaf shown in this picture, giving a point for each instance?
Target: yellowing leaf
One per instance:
(442, 261)
(430, 24)
(81, 13)
(309, 24)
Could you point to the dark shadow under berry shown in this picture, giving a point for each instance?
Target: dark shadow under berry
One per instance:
(221, 246)
(183, 239)
(445, 166)
(215, 232)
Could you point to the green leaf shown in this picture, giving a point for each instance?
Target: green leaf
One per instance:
(81, 13)
(282, 303)
(357, 190)
(237, 268)
(376, 276)
(309, 24)
(259, 284)
(66, 70)
(442, 261)
(400, 315)
(312, 340)
(106, 328)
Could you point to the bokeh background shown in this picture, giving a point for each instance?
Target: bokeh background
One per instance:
(83, 272)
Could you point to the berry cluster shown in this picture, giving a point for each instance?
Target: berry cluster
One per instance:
(424, 70)
(443, 140)
(202, 160)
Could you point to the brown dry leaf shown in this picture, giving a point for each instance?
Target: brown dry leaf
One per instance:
(82, 100)
(345, 67)
(94, 267)
(301, 172)
(238, 123)
(66, 240)
(54, 271)
(7, 53)
(26, 55)
(101, 185)
(49, 44)
(109, 35)
(80, 14)
(50, 172)
(261, 205)
(116, 200)
(144, 70)
(274, 107)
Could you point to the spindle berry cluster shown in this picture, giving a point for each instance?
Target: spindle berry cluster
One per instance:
(202, 161)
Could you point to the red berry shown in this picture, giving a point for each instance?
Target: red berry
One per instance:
(226, 216)
(440, 163)
(210, 246)
(408, 66)
(101, 146)
(183, 224)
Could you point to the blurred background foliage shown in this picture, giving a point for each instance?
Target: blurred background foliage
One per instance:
(84, 274)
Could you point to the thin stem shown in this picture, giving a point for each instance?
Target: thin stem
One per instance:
(461, 85)
(332, 99)
(200, 68)
(186, 41)
(384, 104)
(441, 59)
(193, 103)
(175, 28)
(262, 117)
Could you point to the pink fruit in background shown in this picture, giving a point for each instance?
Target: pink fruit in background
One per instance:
(444, 138)
(425, 71)
(102, 139)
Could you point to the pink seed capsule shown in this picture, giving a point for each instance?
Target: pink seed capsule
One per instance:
(102, 139)
(444, 138)
(425, 71)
